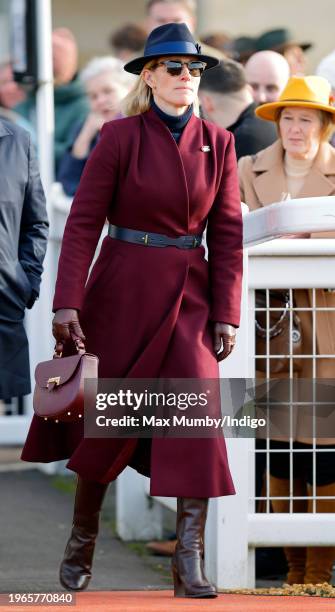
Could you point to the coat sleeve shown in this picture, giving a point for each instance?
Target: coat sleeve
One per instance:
(86, 220)
(33, 228)
(225, 244)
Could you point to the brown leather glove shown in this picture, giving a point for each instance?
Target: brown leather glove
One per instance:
(66, 326)
(224, 340)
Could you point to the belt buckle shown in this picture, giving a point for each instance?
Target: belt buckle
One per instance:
(195, 241)
(146, 239)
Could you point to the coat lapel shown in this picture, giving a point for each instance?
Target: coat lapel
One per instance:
(317, 182)
(184, 154)
(270, 182)
(171, 153)
(189, 147)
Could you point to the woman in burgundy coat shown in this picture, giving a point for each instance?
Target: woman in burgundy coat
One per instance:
(161, 174)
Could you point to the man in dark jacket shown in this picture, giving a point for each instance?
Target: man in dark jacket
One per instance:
(226, 99)
(23, 241)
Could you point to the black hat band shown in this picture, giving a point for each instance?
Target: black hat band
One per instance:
(172, 47)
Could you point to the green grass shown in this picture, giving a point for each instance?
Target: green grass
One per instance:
(140, 549)
(110, 524)
(65, 484)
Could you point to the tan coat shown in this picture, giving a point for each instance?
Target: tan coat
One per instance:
(262, 182)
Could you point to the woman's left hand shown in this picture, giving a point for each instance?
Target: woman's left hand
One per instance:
(224, 340)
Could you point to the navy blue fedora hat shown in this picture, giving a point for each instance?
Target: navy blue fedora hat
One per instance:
(170, 39)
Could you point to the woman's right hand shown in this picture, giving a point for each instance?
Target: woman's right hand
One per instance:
(66, 326)
(91, 127)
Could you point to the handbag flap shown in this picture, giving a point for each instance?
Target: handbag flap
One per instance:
(58, 369)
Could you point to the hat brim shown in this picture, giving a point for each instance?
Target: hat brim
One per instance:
(284, 45)
(269, 111)
(306, 46)
(292, 43)
(136, 65)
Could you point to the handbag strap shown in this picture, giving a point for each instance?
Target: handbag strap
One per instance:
(81, 350)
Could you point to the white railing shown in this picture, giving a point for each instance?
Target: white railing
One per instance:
(291, 217)
(282, 263)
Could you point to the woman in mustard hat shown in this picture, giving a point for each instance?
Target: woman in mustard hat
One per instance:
(301, 163)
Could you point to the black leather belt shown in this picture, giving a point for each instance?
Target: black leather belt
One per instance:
(152, 239)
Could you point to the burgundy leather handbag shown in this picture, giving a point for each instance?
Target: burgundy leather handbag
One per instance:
(59, 386)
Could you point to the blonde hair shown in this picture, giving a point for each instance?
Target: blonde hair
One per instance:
(139, 99)
(327, 123)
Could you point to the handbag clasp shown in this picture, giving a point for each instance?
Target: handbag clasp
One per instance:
(54, 379)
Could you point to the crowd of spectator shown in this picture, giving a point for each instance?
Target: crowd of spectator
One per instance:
(254, 70)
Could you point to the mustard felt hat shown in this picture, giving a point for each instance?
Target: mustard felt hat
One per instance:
(308, 92)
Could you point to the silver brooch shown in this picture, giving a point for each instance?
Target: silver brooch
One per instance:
(205, 148)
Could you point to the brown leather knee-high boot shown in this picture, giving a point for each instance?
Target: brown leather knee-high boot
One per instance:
(188, 559)
(75, 569)
(320, 559)
(295, 555)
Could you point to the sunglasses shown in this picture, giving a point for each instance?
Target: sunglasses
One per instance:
(175, 67)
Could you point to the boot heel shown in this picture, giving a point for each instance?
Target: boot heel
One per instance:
(179, 588)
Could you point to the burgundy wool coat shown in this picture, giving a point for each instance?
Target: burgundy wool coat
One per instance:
(146, 311)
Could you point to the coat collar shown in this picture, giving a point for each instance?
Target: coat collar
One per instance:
(151, 115)
(4, 130)
(270, 180)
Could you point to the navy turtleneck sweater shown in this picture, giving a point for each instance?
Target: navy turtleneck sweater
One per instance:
(175, 124)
